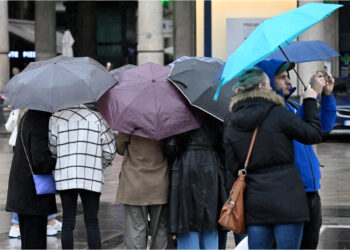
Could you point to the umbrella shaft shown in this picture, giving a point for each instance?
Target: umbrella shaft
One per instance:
(293, 67)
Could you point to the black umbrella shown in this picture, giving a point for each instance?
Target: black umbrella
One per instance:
(194, 79)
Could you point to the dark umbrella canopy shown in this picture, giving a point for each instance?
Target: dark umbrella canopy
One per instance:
(194, 78)
(145, 103)
(58, 83)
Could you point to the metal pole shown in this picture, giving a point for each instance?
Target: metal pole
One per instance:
(293, 67)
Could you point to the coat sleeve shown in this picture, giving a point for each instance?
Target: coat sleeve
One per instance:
(108, 145)
(328, 112)
(42, 161)
(171, 148)
(53, 137)
(232, 164)
(122, 140)
(12, 120)
(307, 131)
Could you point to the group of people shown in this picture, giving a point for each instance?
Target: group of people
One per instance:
(76, 144)
(174, 189)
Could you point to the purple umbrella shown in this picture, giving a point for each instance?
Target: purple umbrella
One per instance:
(146, 104)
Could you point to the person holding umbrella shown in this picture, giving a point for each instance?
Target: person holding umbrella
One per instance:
(143, 189)
(31, 150)
(48, 86)
(144, 107)
(197, 189)
(84, 145)
(275, 203)
(305, 158)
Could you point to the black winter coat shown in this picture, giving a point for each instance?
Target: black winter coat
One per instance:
(197, 189)
(274, 191)
(21, 196)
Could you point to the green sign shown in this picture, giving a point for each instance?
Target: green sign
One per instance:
(165, 2)
(345, 59)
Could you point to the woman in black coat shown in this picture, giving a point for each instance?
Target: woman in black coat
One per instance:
(197, 189)
(32, 209)
(275, 200)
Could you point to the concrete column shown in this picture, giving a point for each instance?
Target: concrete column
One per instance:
(184, 28)
(4, 44)
(326, 31)
(150, 40)
(85, 29)
(45, 30)
(331, 28)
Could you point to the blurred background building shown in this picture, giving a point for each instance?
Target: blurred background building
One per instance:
(134, 32)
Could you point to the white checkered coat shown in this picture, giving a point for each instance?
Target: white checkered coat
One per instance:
(83, 144)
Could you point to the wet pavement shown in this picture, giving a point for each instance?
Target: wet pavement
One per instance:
(335, 193)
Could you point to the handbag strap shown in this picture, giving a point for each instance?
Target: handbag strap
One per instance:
(24, 147)
(250, 149)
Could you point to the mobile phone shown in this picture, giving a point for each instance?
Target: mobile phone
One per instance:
(325, 75)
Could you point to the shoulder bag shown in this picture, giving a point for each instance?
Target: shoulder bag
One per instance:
(44, 183)
(232, 213)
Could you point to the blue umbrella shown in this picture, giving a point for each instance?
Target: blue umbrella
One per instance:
(298, 52)
(270, 35)
(305, 51)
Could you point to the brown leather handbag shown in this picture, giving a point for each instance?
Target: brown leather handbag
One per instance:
(232, 213)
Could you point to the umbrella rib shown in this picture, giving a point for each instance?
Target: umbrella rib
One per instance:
(192, 104)
(155, 98)
(126, 106)
(73, 72)
(17, 90)
(183, 94)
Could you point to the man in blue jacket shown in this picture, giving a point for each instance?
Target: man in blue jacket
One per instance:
(305, 157)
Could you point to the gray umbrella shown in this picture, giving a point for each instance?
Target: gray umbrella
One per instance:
(116, 71)
(58, 83)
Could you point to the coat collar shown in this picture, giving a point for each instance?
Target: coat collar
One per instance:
(267, 95)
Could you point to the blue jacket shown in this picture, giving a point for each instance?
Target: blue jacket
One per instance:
(305, 157)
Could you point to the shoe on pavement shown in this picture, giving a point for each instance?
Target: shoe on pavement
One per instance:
(50, 231)
(14, 232)
(57, 226)
(53, 229)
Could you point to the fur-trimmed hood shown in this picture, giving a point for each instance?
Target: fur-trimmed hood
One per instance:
(247, 110)
(268, 95)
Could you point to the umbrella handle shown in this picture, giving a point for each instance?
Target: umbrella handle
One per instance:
(293, 67)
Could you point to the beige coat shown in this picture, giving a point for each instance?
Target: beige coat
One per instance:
(143, 179)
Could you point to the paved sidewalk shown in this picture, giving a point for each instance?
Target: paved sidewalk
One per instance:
(335, 198)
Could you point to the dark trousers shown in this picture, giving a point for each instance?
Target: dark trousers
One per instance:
(312, 227)
(33, 231)
(90, 201)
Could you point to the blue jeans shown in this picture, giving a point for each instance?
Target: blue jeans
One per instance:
(198, 240)
(287, 236)
(16, 221)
